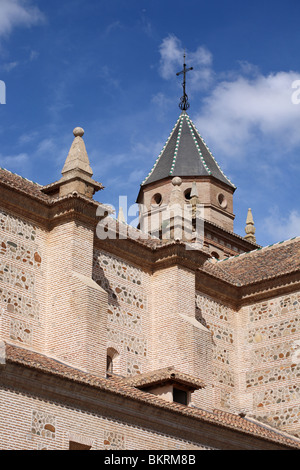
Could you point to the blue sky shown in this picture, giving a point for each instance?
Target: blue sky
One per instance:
(110, 67)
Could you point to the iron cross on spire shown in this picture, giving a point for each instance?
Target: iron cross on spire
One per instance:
(184, 104)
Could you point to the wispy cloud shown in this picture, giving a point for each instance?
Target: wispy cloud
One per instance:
(14, 13)
(33, 55)
(27, 137)
(14, 162)
(112, 27)
(9, 66)
(146, 24)
(171, 53)
(282, 226)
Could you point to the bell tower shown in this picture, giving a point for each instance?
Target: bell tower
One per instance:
(186, 156)
(186, 171)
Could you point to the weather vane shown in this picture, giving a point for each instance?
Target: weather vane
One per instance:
(184, 104)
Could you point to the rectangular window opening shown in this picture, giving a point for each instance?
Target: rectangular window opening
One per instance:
(180, 396)
(77, 446)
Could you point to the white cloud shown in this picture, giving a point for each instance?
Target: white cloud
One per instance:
(46, 146)
(13, 162)
(243, 110)
(136, 176)
(15, 13)
(112, 27)
(10, 66)
(33, 55)
(171, 52)
(283, 227)
(240, 110)
(28, 137)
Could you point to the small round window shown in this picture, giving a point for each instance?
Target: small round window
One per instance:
(187, 194)
(222, 200)
(156, 199)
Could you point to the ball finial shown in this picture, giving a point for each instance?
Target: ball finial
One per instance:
(176, 181)
(78, 132)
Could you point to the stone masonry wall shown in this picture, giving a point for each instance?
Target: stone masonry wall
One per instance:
(219, 320)
(270, 334)
(127, 313)
(22, 275)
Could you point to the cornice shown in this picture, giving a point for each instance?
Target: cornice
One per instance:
(48, 212)
(268, 288)
(218, 288)
(73, 207)
(239, 296)
(153, 259)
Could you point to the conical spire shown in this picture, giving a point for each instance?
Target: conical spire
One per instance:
(250, 229)
(185, 154)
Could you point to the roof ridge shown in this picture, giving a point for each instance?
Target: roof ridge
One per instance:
(263, 248)
(22, 177)
(280, 432)
(159, 156)
(190, 123)
(208, 149)
(177, 144)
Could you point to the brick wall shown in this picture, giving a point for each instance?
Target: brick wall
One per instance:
(77, 306)
(62, 297)
(30, 423)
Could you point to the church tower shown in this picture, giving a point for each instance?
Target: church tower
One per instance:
(187, 174)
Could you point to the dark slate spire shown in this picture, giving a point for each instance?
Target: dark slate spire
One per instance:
(185, 154)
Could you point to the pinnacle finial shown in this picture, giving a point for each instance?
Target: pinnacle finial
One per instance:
(121, 217)
(77, 173)
(250, 229)
(194, 191)
(78, 158)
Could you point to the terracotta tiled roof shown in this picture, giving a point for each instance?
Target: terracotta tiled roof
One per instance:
(258, 265)
(36, 361)
(22, 184)
(168, 374)
(36, 191)
(213, 268)
(209, 223)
